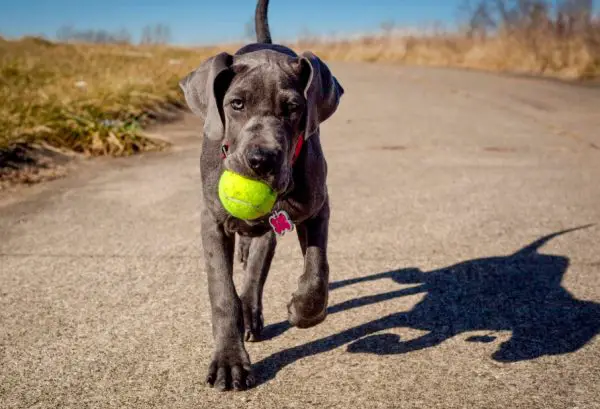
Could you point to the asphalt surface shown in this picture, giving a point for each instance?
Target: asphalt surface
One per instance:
(441, 183)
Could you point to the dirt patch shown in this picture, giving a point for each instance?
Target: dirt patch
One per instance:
(29, 164)
(501, 149)
(391, 148)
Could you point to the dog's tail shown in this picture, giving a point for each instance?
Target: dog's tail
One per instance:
(261, 23)
(531, 249)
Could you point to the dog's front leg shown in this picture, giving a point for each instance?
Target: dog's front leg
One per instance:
(308, 306)
(257, 265)
(230, 365)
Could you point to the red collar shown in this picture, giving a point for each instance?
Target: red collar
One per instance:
(297, 151)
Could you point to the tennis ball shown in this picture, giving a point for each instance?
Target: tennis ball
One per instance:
(245, 198)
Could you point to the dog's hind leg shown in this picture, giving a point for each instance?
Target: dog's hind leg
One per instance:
(257, 262)
(308, 306)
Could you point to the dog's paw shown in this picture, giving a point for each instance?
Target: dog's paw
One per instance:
(230, 369)
(253, 322)
(308, 308)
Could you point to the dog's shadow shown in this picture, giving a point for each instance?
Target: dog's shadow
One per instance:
(521, 293)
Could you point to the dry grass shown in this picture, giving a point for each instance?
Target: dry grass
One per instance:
(92, 99)
(95, 99)
(542, 53)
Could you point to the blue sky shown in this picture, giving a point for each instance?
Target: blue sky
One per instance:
(211, 21)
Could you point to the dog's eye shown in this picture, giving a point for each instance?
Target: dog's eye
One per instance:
(292, 107)
(237, 104)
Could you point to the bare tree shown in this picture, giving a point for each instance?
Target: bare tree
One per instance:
(123, 36)
(156, 34)
(507, 15)
(70, 34)
(387, 26)
(64, 33)
(578, 8)
(518, 14)
(574, 16)
(479, 18)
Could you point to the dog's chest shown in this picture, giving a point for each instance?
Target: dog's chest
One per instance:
(281, 220)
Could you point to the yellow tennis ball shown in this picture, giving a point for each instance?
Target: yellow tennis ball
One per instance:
(245, 198)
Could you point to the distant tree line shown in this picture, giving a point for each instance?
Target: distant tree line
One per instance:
(151, 34)
(563, 17)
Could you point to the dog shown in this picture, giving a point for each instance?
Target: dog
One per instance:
(262, 108)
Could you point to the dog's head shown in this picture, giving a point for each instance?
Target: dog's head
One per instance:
(258, 104)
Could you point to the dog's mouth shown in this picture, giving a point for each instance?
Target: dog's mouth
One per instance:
(279, 180)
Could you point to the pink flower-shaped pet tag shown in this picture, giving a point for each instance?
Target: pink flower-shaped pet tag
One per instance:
(281, 223)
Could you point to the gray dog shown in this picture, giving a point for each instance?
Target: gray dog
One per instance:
(261, 109)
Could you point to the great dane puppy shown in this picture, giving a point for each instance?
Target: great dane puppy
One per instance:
(262, 108)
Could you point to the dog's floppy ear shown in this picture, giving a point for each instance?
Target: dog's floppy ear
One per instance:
(204, 89)
(322, 92)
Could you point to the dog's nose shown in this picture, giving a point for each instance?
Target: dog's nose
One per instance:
(261, 160)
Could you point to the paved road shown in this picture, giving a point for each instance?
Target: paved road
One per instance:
(452, 284)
